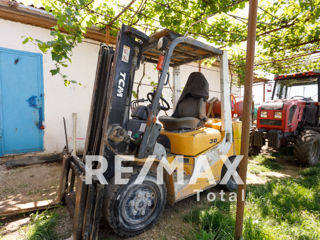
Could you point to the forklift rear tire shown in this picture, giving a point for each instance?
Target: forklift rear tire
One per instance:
(131, 209)
(307, 147)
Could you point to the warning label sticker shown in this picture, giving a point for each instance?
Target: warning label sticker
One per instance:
(125, 54)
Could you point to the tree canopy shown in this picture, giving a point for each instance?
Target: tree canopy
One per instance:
(288, 31)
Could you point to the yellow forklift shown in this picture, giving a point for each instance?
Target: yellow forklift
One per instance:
(119, 125)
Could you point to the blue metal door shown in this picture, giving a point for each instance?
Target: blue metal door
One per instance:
(21, 102)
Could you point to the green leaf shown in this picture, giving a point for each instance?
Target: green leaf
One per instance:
(134, 94)
(55, 71)
(25, 40)
(285, 28)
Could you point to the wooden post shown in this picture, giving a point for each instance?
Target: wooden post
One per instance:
(199, 65)
(246, 122)
(108, 34)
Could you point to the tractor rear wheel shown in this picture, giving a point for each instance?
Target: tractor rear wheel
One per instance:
(307, 147)
(131, 209)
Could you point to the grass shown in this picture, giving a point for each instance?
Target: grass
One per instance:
(282, 209)
(42, 225)
(1, 230)
(264, 164)
(213, 223)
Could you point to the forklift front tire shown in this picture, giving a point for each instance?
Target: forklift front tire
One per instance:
(131, 209)
(231, 185)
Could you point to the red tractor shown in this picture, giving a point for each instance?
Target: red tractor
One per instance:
(292, 117)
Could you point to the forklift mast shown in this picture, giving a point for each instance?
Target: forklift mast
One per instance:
(111, 98)
(126, 62)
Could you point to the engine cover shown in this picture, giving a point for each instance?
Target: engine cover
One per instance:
(192, 143)
(281, 114)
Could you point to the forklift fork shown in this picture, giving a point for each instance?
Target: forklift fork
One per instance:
(84, 201)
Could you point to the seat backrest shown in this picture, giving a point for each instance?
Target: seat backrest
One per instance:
(191, 107)
(193, 97)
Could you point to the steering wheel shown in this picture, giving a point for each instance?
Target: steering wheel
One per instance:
(165, 107)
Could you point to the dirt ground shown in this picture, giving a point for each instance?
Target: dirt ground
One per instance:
(40, 182)
(28, 184)
(23, 185)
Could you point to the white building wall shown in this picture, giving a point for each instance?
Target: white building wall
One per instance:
(212, 74)
(61, 101)
(257, 92)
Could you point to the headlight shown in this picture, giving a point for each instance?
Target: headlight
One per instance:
(264, 114)
(278, 115)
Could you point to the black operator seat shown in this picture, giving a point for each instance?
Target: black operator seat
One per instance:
(190, 112)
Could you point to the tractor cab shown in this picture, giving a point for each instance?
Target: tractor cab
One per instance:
(293, 110)
(300, 86)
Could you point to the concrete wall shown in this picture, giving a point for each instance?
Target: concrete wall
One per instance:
(61, 101)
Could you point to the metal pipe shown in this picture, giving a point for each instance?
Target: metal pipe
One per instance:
(247, 103)
(318, 88)
(274, 89)
(176, 86)
(264, 91)
(65, 133)
(76, 160)
(74, 138)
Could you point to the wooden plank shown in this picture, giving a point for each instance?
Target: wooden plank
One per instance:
(108, 34)
(28, 207)
(80, 201)
(89, 211)
(64, 178)
(72, 180)
(27, 161)
(100, 191)
(74, 135)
